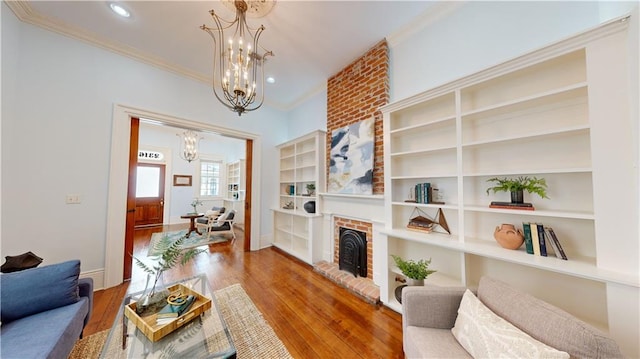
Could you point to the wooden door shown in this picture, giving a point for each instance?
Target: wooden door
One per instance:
(150, 194)
(131, 199)
(248, 195)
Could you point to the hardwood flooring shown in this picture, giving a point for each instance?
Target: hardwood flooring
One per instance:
(314, 317)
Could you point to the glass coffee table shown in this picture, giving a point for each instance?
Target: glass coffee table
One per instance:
(206, 336)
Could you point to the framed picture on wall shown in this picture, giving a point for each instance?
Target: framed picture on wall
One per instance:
(182, 180)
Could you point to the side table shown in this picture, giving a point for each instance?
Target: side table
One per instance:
(192, 218)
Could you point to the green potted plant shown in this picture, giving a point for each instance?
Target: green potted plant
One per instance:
(154, 296)
(311, 187)
(415, 271)
(517, 186)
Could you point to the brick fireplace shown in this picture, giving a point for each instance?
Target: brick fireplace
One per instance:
(362, 286)
(355, 94)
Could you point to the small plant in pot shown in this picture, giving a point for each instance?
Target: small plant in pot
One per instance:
(517, 186)
(415, 271)
(311, 187)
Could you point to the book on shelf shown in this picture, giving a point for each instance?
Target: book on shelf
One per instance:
(555, 243)
(526, 229)
(535, 239)
(509, 205)
(421, 224)
(542, 240)
(425, 193)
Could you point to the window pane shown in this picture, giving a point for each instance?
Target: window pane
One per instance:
(209, 178)
(148, 182)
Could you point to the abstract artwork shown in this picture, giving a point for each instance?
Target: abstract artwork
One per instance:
(351, 159)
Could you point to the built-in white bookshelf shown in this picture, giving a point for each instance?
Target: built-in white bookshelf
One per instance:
(235, 195)
(302, 162)
(550, 114)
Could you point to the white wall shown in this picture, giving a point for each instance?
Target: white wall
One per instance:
(56, 137)
(309, 116)
(481, 34)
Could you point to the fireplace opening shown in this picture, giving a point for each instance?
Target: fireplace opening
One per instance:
(352, 252)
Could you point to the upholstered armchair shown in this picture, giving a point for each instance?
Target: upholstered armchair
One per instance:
(222, 224)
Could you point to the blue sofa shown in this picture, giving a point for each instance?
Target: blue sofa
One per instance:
(43, 310)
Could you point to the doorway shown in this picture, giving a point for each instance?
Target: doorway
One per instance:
(119, 175)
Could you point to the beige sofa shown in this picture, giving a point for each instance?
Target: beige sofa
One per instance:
(429, 313)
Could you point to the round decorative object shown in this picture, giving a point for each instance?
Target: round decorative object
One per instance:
(398, 293)
(508, 236)
(310, 207)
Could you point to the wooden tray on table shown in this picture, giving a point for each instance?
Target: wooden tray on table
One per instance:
(155, 332)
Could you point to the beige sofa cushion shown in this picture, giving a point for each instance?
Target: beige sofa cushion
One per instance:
(545, 322)
(485, 335)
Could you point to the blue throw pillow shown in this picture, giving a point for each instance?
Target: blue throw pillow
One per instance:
(36, 290)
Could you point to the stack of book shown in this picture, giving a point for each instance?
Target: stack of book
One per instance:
(425, 193)
(538, 239)
(173, 311)
(421, 224)
(509, 205)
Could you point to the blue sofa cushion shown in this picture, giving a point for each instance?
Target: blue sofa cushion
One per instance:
(50, 334)
(37, 290)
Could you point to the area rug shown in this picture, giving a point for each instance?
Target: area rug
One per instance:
(252, 335)
(194, 240)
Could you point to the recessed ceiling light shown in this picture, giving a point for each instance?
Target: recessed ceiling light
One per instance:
(118, 9)
(271, 80)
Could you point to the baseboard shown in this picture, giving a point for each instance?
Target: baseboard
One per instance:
(97, 276)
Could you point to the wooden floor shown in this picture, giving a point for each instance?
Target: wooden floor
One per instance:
(312, 316)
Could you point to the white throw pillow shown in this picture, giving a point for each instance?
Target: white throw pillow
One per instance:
(484, 334)
(222, 218)
(212, 213)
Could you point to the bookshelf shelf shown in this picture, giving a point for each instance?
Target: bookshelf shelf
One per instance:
(547, 114)
(302, 162)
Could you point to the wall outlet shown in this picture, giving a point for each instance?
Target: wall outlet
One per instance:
(73, 199)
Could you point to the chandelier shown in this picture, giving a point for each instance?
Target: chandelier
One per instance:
(237, 65)
(189, 141)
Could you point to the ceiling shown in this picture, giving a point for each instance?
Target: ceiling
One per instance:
(311, 40)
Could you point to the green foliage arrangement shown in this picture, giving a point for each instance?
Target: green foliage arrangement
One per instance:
(522, 183)
(170, 255)
(311, 187)
(412, 269)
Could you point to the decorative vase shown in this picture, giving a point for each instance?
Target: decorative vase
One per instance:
(508, 236)
(415, 282)
(517, 196)
(310, 207)
(154, 297)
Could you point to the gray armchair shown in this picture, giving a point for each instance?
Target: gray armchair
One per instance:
(222, 224)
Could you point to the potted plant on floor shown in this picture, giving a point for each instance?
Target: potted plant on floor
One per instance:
(415, 271)
(155, 292)
(517, 186)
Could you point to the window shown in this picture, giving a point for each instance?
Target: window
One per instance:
(210, 178)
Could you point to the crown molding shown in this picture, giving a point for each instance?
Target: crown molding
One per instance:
(306, 96)
(26, 14)
(432, 14)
